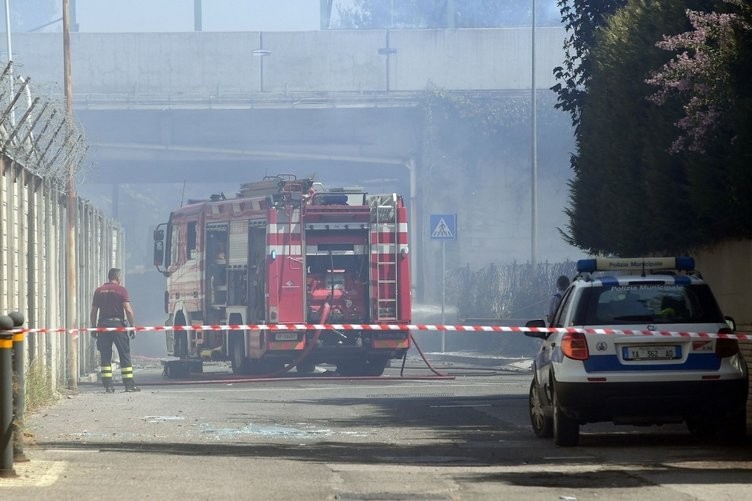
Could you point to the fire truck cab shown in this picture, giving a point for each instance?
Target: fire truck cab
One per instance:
(286, 251)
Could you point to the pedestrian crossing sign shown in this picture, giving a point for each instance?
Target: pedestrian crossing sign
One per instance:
(443, 226)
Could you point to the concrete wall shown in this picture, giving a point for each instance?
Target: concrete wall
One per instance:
(32, 265)
(190, 65)
(727, 267)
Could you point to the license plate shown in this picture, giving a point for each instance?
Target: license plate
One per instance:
(286, 336)
(651, 352)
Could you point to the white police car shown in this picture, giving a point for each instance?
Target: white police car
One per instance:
(617, 355)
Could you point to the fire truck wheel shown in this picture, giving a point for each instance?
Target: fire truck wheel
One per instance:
(375, 367)
(237, 356)
(305, 367)
(181, 344)
(348, 368)
(362, 367)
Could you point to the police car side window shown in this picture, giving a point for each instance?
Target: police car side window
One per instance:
(566, 303)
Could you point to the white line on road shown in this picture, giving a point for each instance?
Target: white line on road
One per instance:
(458, 405)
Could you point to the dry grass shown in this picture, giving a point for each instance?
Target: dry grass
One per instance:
(39, 388)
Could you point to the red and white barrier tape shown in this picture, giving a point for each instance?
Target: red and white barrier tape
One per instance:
(398, 327)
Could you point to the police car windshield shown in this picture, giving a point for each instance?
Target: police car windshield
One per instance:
(655, 303)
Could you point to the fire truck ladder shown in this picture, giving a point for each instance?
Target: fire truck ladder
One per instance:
(386, 246)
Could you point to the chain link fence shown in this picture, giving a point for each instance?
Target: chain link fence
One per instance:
(502, 294)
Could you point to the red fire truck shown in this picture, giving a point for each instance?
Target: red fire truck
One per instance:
(286, 251)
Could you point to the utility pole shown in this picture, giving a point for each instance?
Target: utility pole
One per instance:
(70, 255)
(534, 155)
(10, 62)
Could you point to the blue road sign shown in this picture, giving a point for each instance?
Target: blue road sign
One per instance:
(443, 226)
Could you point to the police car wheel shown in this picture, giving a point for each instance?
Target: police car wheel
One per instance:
(733, 429)
(566, 429)
(702, 428)
(541, 423)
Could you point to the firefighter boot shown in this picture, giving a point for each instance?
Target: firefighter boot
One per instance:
(107, 379)
(131, 387)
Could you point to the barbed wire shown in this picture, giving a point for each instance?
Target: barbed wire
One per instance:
(37, 133)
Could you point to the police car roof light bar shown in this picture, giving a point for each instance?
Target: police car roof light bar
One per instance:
(681, 263)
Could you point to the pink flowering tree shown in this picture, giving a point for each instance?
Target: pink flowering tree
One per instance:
(702, 73)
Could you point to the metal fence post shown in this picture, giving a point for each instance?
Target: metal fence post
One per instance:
(19, 387)
(6, 397)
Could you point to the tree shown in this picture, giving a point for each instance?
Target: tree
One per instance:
(637, 187)
(628, 195)
(701, 72)
(582, 19)
(709, 76)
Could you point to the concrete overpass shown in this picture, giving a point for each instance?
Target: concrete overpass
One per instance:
(200, 66)
(164, 103)
(204, 107)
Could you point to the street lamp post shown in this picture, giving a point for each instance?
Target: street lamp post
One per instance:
(261, 53)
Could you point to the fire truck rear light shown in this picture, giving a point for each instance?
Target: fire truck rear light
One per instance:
(574, 346)
(273, 255)
(403, 252)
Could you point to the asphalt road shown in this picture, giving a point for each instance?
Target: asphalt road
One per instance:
(326, 438)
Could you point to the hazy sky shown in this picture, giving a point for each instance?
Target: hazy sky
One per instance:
(177, 15)
(108, 16)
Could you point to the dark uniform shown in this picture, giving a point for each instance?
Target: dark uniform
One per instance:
(111, 308)
(561, 286)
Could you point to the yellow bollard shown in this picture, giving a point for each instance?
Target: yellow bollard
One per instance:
(19, 386)
(6, 397)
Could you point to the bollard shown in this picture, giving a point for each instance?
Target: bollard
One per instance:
(19, 387)
(6, 397)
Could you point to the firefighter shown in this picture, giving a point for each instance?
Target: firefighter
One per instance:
(111, 307)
